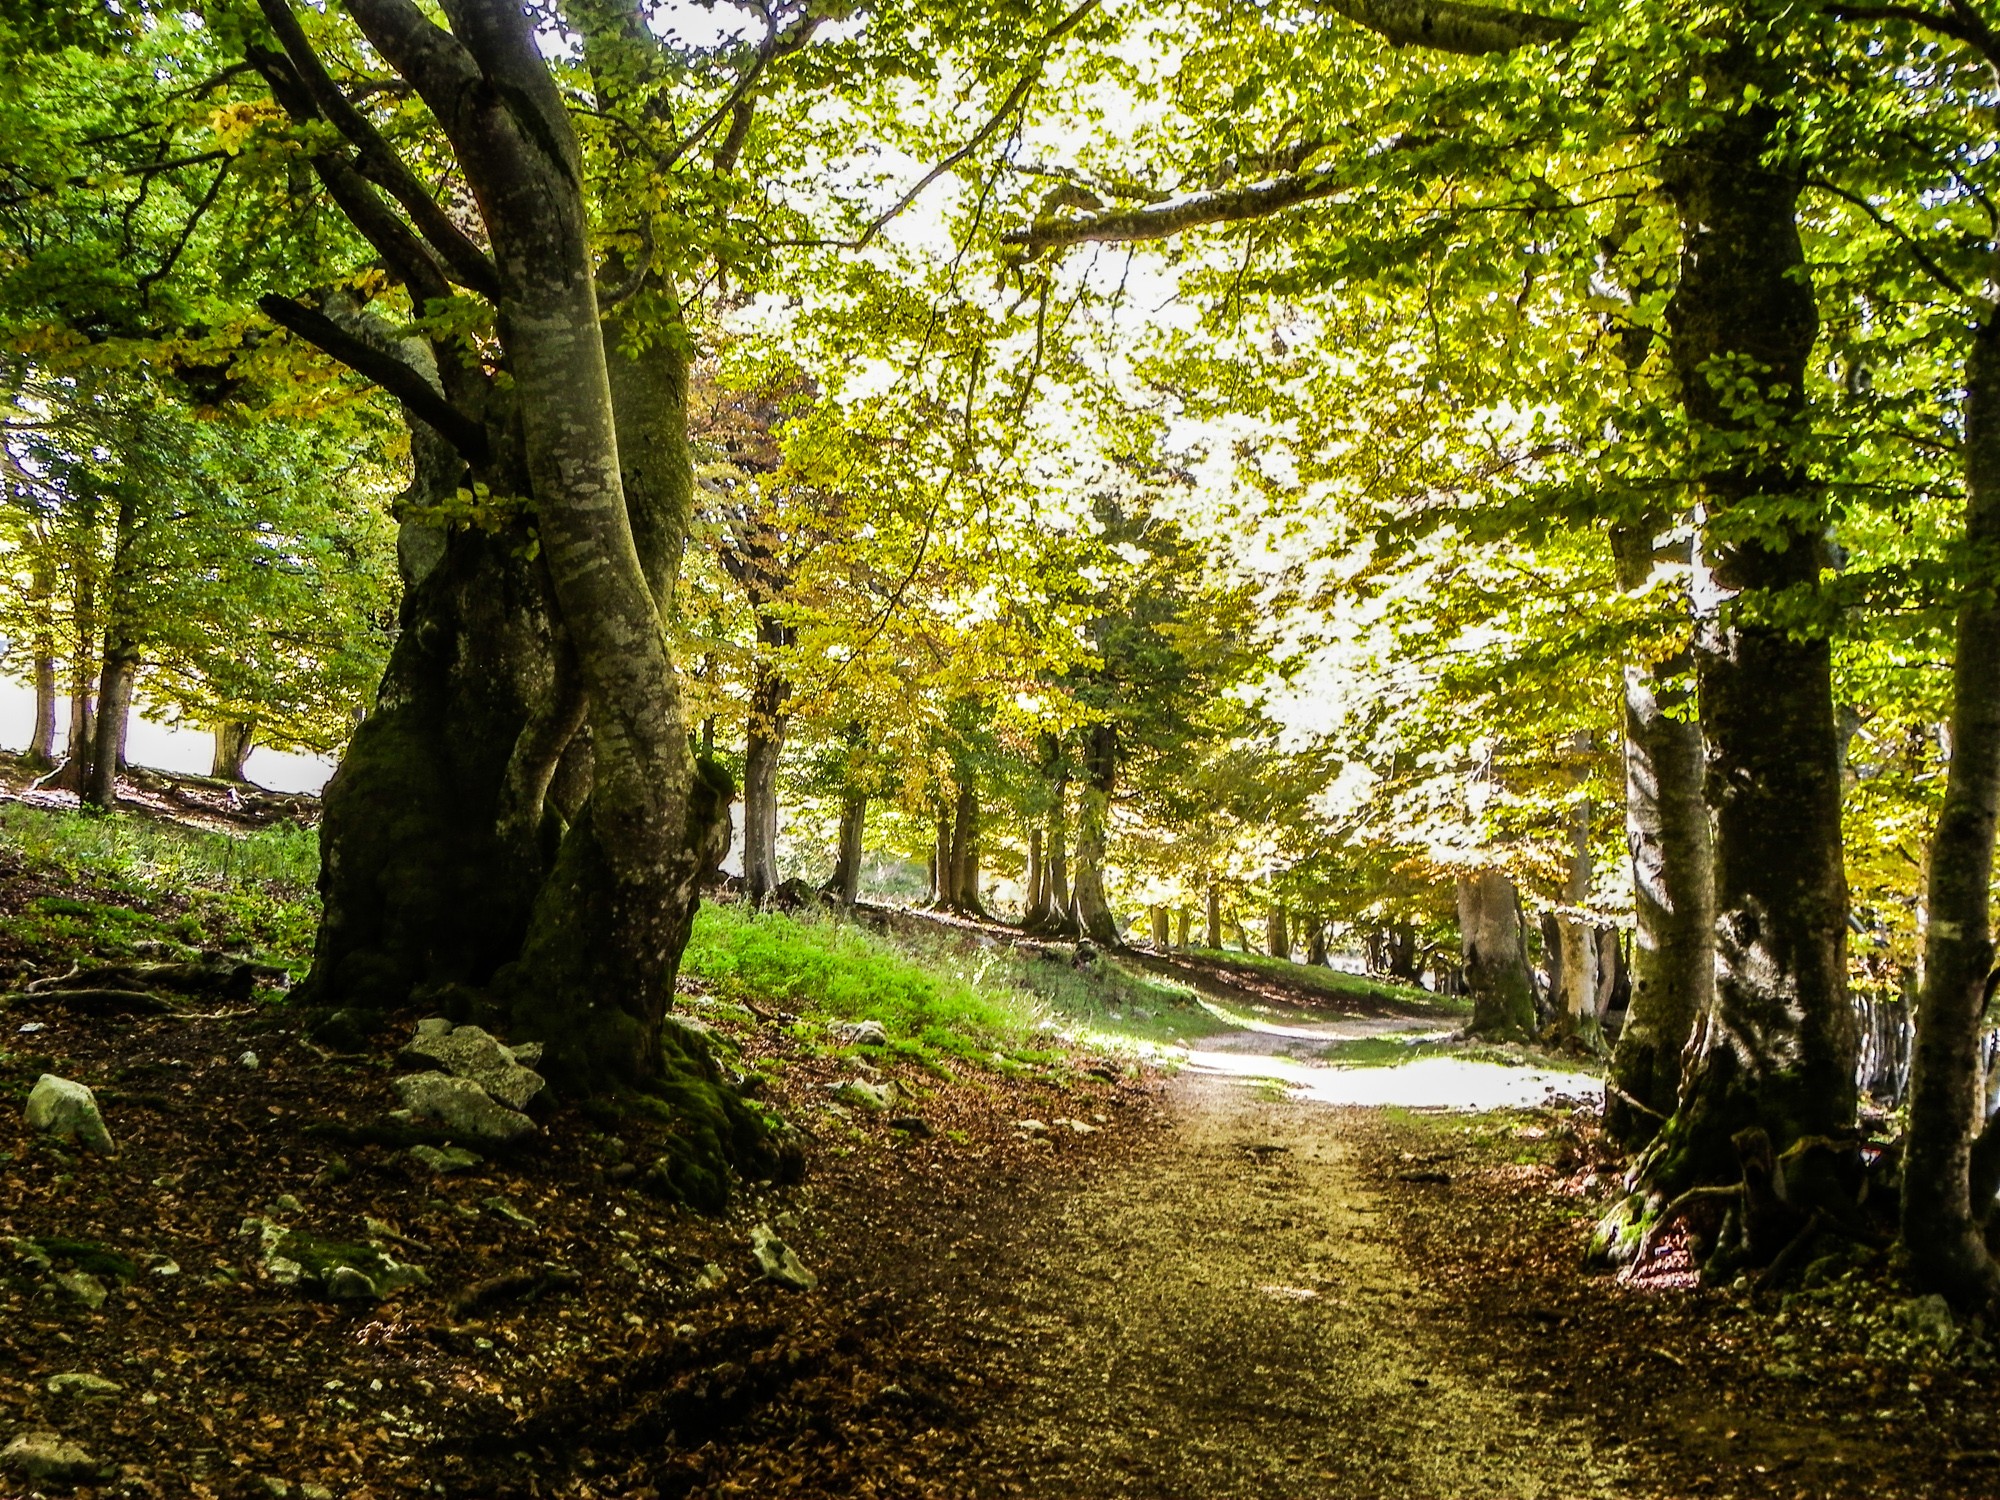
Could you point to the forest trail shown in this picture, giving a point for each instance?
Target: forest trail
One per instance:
(1223, 1311)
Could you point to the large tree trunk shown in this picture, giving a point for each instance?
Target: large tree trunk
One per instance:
(962, 884)
(1182, 921)
(1050, 915)
(1277, 932)
(1673, 895)
(1163, 933)
(1942, 1220)
(1093, 910)
(845, 882)
(1778, 1051)
(114, 717)
(764, 744)
(1211, 929)
(1496, 956)
(234, 739)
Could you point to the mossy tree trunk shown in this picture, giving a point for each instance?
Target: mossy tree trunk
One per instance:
(1673, 897)
(1496, 956)
(1777, 1054)
(1946, 1203)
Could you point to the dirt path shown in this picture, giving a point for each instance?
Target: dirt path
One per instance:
(1222, 1312)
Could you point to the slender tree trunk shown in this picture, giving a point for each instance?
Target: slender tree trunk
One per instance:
(1093, 910)
(1316, 944)
(42, 742)
(1496, 960)
(1777, 1055)
(1673, 892)
(82, 737)
(1242, 934)
(120, 667)
(1575, 999)
(764, 746)
(234, 739)
(1277, 932)
(1035, 894)
(1942, 1219)
(1181, 923)
(1211, 932)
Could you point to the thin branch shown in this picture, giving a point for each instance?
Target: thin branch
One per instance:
(146, 282)
(398, 377)
(466, 263)
(1016, 96)
(1920, 255)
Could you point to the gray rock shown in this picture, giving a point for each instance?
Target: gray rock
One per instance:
(776, 1260)
(83, 1286)
(47, 1455)
(462, 1107)
(443, 1159)
(527, 1054)
(345, 1284)
(82, 1383)
(472, 1052)
(875, 1096)
(68, 1111)
(861, 1033)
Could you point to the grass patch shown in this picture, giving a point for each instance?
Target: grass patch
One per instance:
(933, 996)
(132, 879)
(1336, 984)
(1110, 1000)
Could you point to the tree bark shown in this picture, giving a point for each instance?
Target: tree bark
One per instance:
(1093, 910)
(1575, 998)
(1277, 932)
(1163, 939)
(42, 742)
(845, 883)
(764, 745)
(120, 667)
(1496, 958)
(1942, 1220)
(1182, 918)
(1035, 894)
(962, 886)
(234, 740)
(1316, 944)
(1212, 918)
(75, 773)
(1673, 894)
(1778, 1052)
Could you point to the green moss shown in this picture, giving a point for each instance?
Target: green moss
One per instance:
(320, 1258)
(88, 1255)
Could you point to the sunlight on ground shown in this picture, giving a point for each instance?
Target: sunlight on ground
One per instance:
(1429, 1083)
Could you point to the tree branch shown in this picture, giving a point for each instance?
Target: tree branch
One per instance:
(1450, 26)
(398, 377)
(466, 263)
(1158, 221)
(1012, 102)
(1962, 25)
(1908, 241)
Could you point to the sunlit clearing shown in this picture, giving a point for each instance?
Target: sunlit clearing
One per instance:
(1432, 1083)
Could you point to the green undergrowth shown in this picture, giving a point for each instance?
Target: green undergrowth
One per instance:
(934, 993)
(1336, 984)
(929, 997)
(133, 880)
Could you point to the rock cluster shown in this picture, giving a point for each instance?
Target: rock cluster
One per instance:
(338, 1272)
(475, 1086)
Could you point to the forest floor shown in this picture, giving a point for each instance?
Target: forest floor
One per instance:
(1194, 1227)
